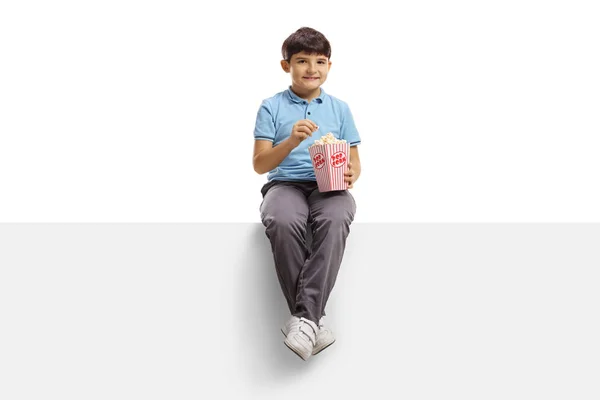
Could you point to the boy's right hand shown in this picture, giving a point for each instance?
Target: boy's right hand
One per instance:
(302, 130)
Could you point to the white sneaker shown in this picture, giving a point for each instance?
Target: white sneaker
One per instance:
(325, 337)
(301, 337)
(288, 325)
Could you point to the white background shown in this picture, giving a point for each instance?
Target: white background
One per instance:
(121, 111)
(131, 111)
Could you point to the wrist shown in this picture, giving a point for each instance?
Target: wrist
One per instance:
(291, 143)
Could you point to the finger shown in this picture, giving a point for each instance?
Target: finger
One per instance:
(308, 123)
(305, 129)
(349, 165)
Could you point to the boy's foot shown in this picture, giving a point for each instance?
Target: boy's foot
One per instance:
(288, 325)
(325, 337)
(301, 337)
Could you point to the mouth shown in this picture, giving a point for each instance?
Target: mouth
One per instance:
(311, 78)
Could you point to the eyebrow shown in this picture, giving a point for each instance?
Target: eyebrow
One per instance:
(306, 58)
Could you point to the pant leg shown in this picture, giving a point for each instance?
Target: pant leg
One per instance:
(331, 214)
(284, 213)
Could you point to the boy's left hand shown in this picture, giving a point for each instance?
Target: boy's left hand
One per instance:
(350, 176)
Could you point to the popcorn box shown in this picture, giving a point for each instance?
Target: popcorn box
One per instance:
(330, 162)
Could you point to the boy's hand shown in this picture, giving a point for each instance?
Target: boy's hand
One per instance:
(302, 130)
(350, 176)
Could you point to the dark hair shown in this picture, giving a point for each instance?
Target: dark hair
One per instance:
(308, 40)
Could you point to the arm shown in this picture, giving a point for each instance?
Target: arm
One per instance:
(350, 134)
(266, 157)
(353, 167)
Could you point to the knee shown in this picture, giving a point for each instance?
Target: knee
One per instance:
(283, 221)
(336, 218)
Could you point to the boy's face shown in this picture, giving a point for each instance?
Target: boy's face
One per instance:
(309, 71)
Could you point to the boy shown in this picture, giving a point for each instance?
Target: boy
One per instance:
(286, 125)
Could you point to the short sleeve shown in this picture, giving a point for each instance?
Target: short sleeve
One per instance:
(349, 131)
(265, 124)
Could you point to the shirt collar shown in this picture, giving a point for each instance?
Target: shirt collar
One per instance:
(297, 99)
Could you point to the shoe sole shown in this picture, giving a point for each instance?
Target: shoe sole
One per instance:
(314, 353)
(322, 348)
(294, 350)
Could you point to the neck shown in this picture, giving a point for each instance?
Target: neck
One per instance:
(307, 95)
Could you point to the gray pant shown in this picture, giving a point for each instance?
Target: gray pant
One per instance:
(306, 274)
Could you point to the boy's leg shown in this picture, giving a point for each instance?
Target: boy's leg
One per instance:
(331, 214)
(284, 213)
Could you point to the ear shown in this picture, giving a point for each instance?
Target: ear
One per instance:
(328, 66)
(285, 65)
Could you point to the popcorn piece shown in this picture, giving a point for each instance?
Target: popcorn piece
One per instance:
(328, 139)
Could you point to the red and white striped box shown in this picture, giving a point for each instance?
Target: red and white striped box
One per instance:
(330, 162)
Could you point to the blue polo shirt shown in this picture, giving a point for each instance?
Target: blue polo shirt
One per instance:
(277, 116)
